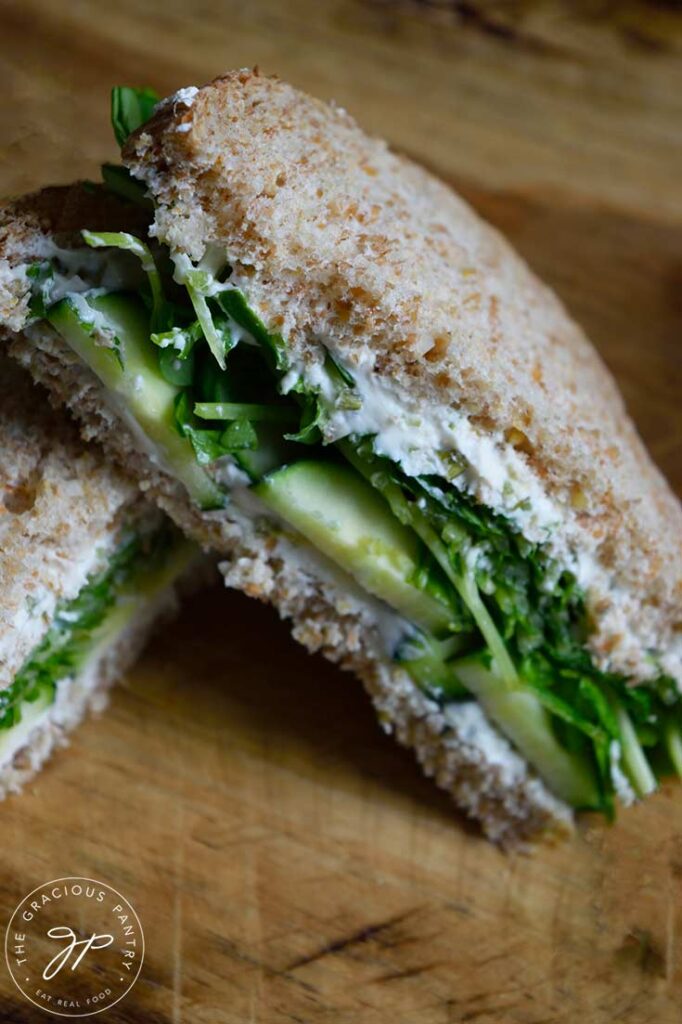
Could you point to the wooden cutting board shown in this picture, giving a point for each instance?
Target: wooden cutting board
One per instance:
(287, 861)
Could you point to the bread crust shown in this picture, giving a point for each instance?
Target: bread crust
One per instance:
(336, 237)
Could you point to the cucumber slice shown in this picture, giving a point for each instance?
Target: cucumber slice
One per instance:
(437, 678)
(673, 742)
(633, 758)
(427, 660)
(522, 718)
(465, 585)
(350, 523)
(129, 370)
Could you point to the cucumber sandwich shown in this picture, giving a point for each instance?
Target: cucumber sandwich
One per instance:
(321, 363)
(86, 568)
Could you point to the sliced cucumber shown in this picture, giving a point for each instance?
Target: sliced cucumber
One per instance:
(128, 367)
(428, 662)
(634, 760)
(437, 678)
(673, 742)
(465, 585)
(343, 516)
(522, 718)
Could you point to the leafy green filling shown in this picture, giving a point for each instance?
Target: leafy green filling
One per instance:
(130, 108)
(67, 644)
(539, 616)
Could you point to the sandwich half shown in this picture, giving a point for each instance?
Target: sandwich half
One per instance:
(324, 365)
(86, 568)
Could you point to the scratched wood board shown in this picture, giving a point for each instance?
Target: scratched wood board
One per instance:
(287, 860)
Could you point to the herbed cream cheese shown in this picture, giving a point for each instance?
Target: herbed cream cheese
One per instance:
(420, 439)
(624, 790)
(473, 728)
(184, 96)
(84, 269)
(14, 291)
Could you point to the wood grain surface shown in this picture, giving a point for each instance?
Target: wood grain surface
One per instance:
(287, 861)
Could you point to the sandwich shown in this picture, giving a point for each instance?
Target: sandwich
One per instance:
(86, 568)
(323, 365)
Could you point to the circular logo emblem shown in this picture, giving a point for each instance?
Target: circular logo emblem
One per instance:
(74, 947)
